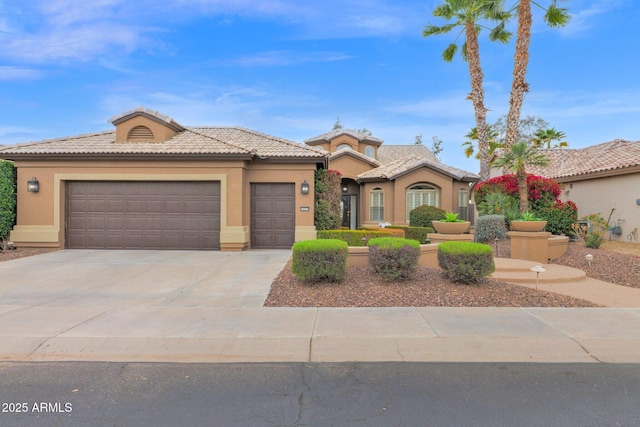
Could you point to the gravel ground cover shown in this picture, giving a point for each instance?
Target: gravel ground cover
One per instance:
(361, 288)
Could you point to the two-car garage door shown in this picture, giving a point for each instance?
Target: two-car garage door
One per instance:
(142, 215)
(170, 215)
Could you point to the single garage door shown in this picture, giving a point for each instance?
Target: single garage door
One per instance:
(273, 216)
(142, 215)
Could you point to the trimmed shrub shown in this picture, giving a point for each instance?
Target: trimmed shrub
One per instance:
(353, 237)
(489, 228)
(414, 233)
(327, 213)
(393, 258)
(394, 232)
(560, 217)
(465, 262)
(422, 216)
(320, 260)
(7, 198)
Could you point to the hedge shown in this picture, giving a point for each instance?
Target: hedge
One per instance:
(7, 198)
(320, 260)
(354, 237)
(424, 215)
(414, 233)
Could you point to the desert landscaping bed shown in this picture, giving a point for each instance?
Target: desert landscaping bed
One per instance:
(362, 288)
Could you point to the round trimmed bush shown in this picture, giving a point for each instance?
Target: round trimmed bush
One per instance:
(424, 215)
(465, 262)
(320, 260)
(490, 227)
(393, 257)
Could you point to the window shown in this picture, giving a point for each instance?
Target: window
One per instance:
(376, 205)
(369, 151)
(343, 147)
(463, 204)
(419, 195)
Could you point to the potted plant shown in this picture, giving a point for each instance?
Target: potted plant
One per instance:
(451, 224)
(528, 222)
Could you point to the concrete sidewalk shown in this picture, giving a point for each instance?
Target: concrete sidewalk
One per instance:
(247, 334)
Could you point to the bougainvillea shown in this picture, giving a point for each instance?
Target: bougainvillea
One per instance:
(327, 213)
(560, 217)
(543, 192)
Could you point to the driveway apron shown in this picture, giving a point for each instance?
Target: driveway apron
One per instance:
(141, 278)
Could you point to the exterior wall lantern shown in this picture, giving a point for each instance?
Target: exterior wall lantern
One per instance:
(304, 187)
(33, 186)
(345, 188)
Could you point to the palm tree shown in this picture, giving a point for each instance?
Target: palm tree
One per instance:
(543, 137)
(468, 14)
(517, 158)
(554, 17)
(472, 135)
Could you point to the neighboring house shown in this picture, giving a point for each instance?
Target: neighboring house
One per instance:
(604, 179)
(382, 183)
(153, 183)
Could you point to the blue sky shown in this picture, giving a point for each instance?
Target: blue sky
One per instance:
(291, 68)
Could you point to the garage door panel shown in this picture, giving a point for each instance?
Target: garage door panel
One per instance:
(136, 215)
(272, 215)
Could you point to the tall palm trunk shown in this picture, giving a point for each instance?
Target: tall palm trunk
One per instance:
(521, 60)
(477, 97)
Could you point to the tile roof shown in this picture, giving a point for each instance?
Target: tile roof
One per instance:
(608, 156)
(347, 152)
(196, 140)
(408, 164)
(328, 136)
(390, 153)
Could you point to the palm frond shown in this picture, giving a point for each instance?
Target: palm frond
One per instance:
(498, 33)
(450, 52)
(434, 30)
(557, 16)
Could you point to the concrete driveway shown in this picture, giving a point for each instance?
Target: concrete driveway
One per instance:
(141, 278)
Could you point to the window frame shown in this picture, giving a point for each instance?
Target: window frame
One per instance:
(431, 192)
(378, 206)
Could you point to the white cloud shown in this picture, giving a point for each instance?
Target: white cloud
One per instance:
(585, 19)
(452, 106)
(284, 58)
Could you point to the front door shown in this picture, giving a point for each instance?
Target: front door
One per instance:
(349, 216)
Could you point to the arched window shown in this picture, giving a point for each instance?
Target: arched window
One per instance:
(343, 147)
(140, 134)
(369, 151)
(421, 194)
(463, 204)
(376, 205)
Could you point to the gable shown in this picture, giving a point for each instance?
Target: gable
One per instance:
(142, 125)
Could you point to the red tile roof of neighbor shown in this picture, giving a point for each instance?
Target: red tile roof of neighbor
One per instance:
(568, 162)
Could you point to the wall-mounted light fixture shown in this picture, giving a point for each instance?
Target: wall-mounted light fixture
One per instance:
(33, 186)
(304, 187)
(345, 188)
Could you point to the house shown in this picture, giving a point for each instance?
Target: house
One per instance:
(153, 183)
(603, 178)
(383, 183)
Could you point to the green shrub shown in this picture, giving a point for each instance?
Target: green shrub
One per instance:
(327, 196)
(465, 262)
(560, 217)
(320, 260)
(593, 240)
(496, 202)
(7, 198)
(593, 232)
(489, 228)
(392, 257)
(353, 237)
(422, 216)
(414, 233)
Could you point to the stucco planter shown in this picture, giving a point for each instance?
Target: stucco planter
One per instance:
(530, 226)
(451, 227)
